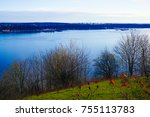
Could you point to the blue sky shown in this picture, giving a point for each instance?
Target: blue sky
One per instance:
(124, 11)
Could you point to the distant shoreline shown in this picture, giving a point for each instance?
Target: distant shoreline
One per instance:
(56, 27)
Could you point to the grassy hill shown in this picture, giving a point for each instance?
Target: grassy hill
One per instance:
(117, 89)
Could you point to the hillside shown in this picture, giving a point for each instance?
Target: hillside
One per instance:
(135, 89)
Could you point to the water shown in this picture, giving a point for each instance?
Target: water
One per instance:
(19, 46)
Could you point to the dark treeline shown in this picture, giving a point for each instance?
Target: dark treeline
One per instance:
(51, 27)
(68, 66)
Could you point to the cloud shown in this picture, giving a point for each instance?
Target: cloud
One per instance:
(71, 17)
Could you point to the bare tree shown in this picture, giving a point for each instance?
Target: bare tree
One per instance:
(128, 51)
(106, 64)
(144, 59)
(14, 81)
(24, 78)
(35, 79)
(65, 66)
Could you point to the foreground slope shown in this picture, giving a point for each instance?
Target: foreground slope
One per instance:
(135, 89)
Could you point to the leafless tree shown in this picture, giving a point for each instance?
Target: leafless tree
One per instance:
(144, 59)
(65, 66)
(106, 64)
(14, 80)
(128, 51)
(35, 79)
(24, 78)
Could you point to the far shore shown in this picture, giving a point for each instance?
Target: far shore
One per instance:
(58, 27)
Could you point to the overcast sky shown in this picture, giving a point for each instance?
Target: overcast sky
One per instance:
(102, 11)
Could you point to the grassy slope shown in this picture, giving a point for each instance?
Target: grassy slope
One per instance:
(103, 90)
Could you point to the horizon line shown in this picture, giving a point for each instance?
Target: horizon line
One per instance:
(74, 22)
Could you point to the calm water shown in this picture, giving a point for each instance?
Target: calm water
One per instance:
(21, 46)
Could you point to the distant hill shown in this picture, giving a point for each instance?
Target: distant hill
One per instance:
(52, 27)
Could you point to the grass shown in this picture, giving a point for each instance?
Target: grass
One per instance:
(136, 89)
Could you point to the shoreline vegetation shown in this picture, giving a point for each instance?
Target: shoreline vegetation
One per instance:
(56, 27)
(67, 66)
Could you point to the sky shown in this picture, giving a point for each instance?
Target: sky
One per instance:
(96, 11)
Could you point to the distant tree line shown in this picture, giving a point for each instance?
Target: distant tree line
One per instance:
(68, 66)
(52, 26)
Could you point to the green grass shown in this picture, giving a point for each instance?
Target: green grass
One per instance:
(137, 90)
